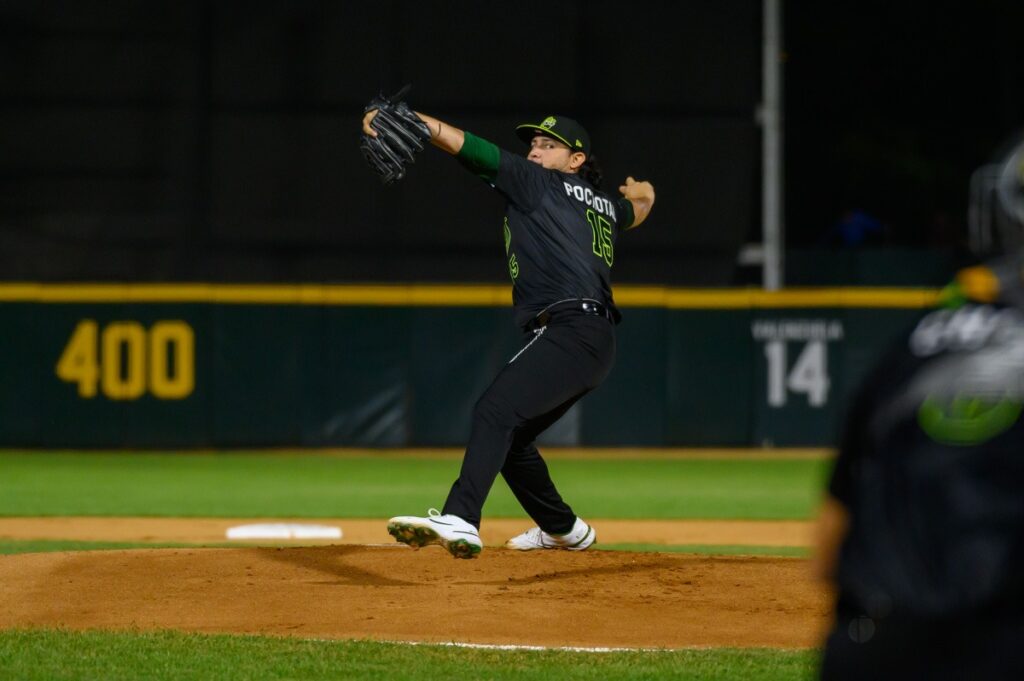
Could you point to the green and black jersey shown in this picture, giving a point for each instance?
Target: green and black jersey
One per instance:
(559, 231)
(931, 467)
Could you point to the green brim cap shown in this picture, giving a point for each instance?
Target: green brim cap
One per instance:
(563, 129)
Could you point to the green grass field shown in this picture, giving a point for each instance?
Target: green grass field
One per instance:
(51, 655)
(311, 485)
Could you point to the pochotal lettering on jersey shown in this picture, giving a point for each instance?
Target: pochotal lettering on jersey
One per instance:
(586, 195)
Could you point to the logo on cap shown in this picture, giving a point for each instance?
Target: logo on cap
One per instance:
(579, 144)
(549, 122)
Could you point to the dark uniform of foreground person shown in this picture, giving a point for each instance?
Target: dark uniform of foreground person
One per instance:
(923, 529)
(559, 238)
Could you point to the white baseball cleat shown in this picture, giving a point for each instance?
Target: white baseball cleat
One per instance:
(461, 539)
(579, 538)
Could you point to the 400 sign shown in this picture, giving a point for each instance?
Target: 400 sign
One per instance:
(805, 339)
(124, 360)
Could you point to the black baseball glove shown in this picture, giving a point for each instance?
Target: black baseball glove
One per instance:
(400, 136)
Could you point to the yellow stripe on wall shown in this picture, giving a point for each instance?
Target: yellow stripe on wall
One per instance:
(258, 294)
(468, 295)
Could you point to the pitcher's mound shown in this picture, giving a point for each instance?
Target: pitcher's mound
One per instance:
(546, 598)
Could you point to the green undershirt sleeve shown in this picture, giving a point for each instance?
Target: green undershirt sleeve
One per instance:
(480, 157)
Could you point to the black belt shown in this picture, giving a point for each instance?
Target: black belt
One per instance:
(591, 307)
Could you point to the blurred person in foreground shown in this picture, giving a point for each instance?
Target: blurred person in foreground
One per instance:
(922, 530)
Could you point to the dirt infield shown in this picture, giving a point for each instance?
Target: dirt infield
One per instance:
(361, 531)
(594, 598)
(391, 592)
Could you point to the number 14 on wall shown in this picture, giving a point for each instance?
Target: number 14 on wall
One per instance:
(808, 376)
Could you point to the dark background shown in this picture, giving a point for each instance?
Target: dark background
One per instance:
(891, 106)
(174, 141)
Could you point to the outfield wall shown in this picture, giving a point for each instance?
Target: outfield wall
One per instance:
(236, 366)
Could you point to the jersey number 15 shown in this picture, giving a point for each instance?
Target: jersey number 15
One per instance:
(602, 236)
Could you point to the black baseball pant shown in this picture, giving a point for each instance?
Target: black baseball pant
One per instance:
(561, 363)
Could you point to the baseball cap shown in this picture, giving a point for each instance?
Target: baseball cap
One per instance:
(563, 129)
